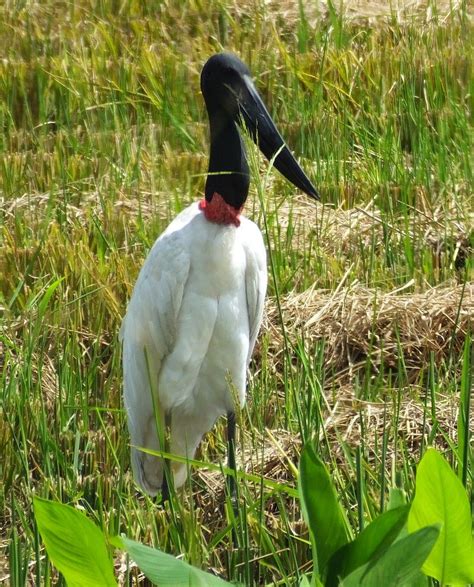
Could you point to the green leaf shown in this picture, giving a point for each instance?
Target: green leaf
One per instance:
(166, 570)
(369, 545)
(399, 565)
(75, 545)
(321, 507)
(47, 296)
(441, 498)
(396, 498)
(304, 581)
(464, 429)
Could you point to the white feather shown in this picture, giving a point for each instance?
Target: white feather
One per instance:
(190, 328)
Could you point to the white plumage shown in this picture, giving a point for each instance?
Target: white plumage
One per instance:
(190, 329)
(195, 312)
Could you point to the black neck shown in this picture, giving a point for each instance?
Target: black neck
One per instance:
(228, 168)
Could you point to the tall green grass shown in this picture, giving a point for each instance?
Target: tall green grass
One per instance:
(104, 140)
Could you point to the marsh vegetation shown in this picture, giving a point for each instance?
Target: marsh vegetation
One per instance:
(367, 342)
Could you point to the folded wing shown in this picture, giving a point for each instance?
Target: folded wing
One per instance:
(148, 333)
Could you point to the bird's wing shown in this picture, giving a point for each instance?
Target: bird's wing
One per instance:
(156, 300)
(148, 333)
(255, 282)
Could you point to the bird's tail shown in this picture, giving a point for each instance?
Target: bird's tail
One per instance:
(147, 469)
(147, 433)
(145, 418)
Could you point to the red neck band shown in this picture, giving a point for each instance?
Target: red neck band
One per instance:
(219, 211)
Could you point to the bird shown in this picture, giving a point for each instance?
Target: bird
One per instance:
(196, 308)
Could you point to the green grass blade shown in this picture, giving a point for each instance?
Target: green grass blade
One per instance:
(464, 431)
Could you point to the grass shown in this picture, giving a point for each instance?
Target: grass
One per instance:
(104, 140)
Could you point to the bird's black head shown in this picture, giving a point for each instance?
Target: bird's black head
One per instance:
(223, 83)
(232, 99)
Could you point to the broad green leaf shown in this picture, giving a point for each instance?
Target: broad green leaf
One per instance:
(166, 570)
(368, 546)
(441, 498)
(75, 545)
(321, 507)
(399, 565)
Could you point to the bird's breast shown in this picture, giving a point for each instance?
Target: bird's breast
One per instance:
(212, 330)
(218, 262)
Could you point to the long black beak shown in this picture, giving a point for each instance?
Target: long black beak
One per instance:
(259, 123)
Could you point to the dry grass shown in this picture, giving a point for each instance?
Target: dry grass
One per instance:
(444, 228)
(403, 426)
(106, 140)
(357, 324)
(350, 420)
(372, 12)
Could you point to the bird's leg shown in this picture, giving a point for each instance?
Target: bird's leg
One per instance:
(165, 487)
(165, 490)
(232, 479)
